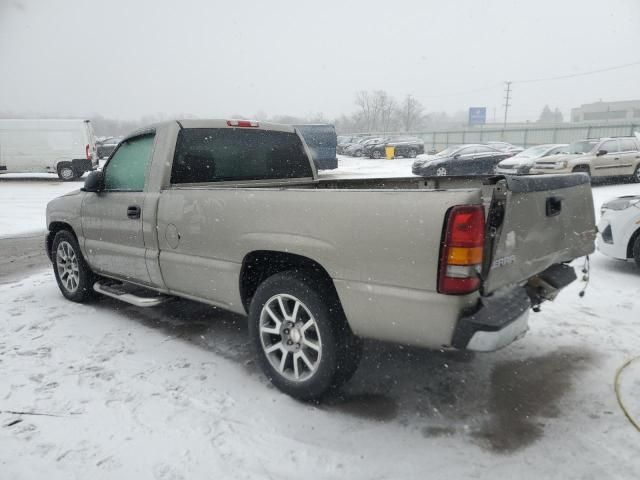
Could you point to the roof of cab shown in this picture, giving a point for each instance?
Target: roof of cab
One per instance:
(222, 123)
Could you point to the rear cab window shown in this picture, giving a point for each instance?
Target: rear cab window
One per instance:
(205, 155)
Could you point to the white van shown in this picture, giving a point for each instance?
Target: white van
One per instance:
(65, 147)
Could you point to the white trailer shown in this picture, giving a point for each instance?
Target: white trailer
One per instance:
(62, 146)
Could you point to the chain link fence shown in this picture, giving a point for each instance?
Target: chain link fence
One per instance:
(525, 136)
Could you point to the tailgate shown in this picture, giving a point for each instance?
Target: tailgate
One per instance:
(533, 223)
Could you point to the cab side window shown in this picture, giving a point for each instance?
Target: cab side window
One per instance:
(127, 168)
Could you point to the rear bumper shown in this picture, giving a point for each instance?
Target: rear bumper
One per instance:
(499, 321)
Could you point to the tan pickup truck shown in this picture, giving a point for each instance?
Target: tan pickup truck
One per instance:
(232, 213)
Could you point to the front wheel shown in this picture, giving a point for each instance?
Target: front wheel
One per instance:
(300, 334)
(635, 250)
(358, 154)
(376, 154)
(75, 278)
(441, 172)
(413, 153)
(636, 175)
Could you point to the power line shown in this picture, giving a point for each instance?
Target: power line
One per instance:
(493, 87)
(572, 75)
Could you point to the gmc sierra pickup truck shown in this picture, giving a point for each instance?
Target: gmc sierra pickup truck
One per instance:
(232, 213)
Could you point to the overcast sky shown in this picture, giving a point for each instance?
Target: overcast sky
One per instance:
(128, 58)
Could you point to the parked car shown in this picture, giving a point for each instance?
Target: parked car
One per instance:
(471, 159)
(322, 142)
(344, 141)
(106, 146)
(357, 149)
(605, 157)
(408, 147)
(505, 147)
(62, 146)
(619, 228)
(232, 213)
(521, 163)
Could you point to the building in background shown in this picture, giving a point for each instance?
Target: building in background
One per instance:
(628, 110)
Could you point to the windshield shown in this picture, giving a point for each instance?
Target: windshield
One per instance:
(583, 146)
(532, 152)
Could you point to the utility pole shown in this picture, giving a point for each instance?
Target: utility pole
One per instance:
(507, 97)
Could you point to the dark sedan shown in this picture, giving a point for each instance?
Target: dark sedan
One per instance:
(408, 147)
(461, 160)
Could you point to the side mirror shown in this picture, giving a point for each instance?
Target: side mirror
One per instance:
(601, 152)
(94, 182)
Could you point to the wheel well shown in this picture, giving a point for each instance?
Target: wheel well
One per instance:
(581, 168)
(55, 227)
(259, 265)
(632, 240)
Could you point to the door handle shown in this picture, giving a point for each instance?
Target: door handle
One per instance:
(554, 206)
(133, 211)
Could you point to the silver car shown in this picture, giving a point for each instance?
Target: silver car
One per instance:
(521, 163)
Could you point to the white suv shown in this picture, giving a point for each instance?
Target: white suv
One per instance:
(619, 228)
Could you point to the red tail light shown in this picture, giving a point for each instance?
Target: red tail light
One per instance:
(462, 251)
(242, 123)
(87, 152)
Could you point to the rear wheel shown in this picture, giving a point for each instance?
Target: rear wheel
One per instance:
(75, 278)
(413, 153)
(66, 172)
(300, 334)
(636, 175)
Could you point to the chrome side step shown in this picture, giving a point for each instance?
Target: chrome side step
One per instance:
(133, 294)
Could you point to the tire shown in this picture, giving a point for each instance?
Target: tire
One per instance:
(358, 153)
(302, 340)
(66, 172)
(635, 250)
(376, 154)
(413, 153)
(75, 278)
(441, 172)
(636, 175)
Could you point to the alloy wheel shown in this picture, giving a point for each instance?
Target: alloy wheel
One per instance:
(290, 337)
(67, 265)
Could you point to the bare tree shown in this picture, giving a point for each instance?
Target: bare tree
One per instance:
(411, 113)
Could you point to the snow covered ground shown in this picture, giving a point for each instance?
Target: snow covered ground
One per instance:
(114, 391)
(24, 199)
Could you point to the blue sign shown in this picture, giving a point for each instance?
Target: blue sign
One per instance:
(477, 115)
